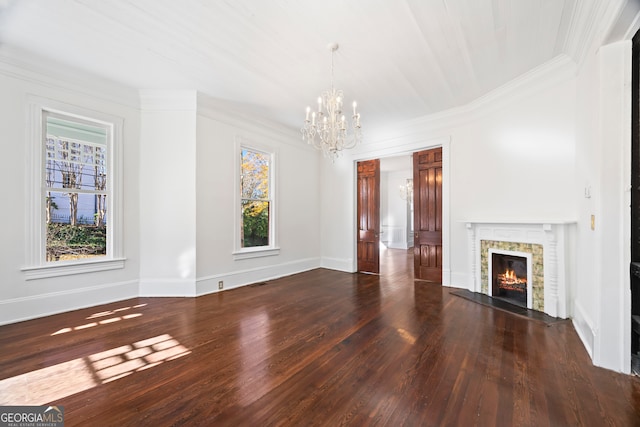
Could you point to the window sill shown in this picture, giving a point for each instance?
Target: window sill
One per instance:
(67, 268)
(255, 253)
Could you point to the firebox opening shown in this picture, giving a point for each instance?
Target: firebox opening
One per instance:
(509, 281)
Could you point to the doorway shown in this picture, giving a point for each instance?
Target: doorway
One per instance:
(396, 214)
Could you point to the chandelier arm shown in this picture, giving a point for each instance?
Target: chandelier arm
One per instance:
(327, 128)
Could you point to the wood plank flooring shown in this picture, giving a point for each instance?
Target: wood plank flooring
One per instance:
(321, 348)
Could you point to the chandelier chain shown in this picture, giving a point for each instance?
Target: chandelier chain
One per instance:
(333, 52)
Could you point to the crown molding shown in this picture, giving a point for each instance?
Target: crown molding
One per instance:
(632, 28)
(574, 33)
(590, 25)
(405, 147)
(556, 71)
(22, 65)
(231, 115)
(625, 22)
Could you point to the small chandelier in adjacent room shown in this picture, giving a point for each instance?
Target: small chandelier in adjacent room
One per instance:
(327, 128)
(406, 191)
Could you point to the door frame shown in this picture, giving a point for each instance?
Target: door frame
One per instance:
(403, 150)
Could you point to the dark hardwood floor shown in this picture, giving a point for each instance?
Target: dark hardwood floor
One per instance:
(317, 348)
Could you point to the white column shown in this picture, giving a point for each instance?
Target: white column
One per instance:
(550, 260)
(168, 193)
(473, 264)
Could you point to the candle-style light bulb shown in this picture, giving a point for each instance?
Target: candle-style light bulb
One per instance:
(355, 104)
(308, 111)
(313, 118)
(319, 104)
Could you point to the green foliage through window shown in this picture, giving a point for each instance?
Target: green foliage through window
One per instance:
(66, 241)
(255, 198)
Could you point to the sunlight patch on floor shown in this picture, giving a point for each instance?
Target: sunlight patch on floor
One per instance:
(407, 336)
(64, 379)
(103, 321)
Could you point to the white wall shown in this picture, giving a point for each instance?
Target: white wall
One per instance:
(297, 201)
(19, 80)
(188, 169)
(337, 213)
(393, 209)
(514, 163)
(587, 179)
(602, 295)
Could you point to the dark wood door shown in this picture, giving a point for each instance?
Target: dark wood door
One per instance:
(369, 216)
(427, 214)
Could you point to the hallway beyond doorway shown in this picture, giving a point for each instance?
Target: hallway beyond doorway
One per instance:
(396, 262)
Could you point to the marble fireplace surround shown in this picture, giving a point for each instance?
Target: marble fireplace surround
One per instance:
(548, 242)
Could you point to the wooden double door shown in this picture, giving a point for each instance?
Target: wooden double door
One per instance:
(427, 218)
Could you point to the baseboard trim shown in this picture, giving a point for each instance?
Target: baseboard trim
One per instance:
(584, 327)
(339, 264)
(460, 280)
(155, 287)
(235, 279)
(446, 277)
(402, 246)
(26, 308)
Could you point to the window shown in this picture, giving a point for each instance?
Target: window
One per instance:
(256, 207)
(255, 198)
(74, 207)
(75, 191)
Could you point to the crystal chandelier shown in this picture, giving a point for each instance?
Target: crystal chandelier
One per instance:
(406, 191)
(327, 129)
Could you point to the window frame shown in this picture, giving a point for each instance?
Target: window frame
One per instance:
(256, 251)
(37, 267)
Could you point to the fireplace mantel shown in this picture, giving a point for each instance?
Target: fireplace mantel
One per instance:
(556, 239)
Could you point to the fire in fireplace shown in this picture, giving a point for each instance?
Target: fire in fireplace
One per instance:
(509, 281)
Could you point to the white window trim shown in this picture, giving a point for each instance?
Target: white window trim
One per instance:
(35, 259)
(239, 252)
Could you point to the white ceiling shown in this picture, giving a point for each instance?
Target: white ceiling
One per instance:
(400, 59)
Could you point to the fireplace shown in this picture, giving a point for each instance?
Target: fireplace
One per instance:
(509, 278)
(548, 248)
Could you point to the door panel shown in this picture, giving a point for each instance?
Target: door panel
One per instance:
(427, 197)
(369, 216)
